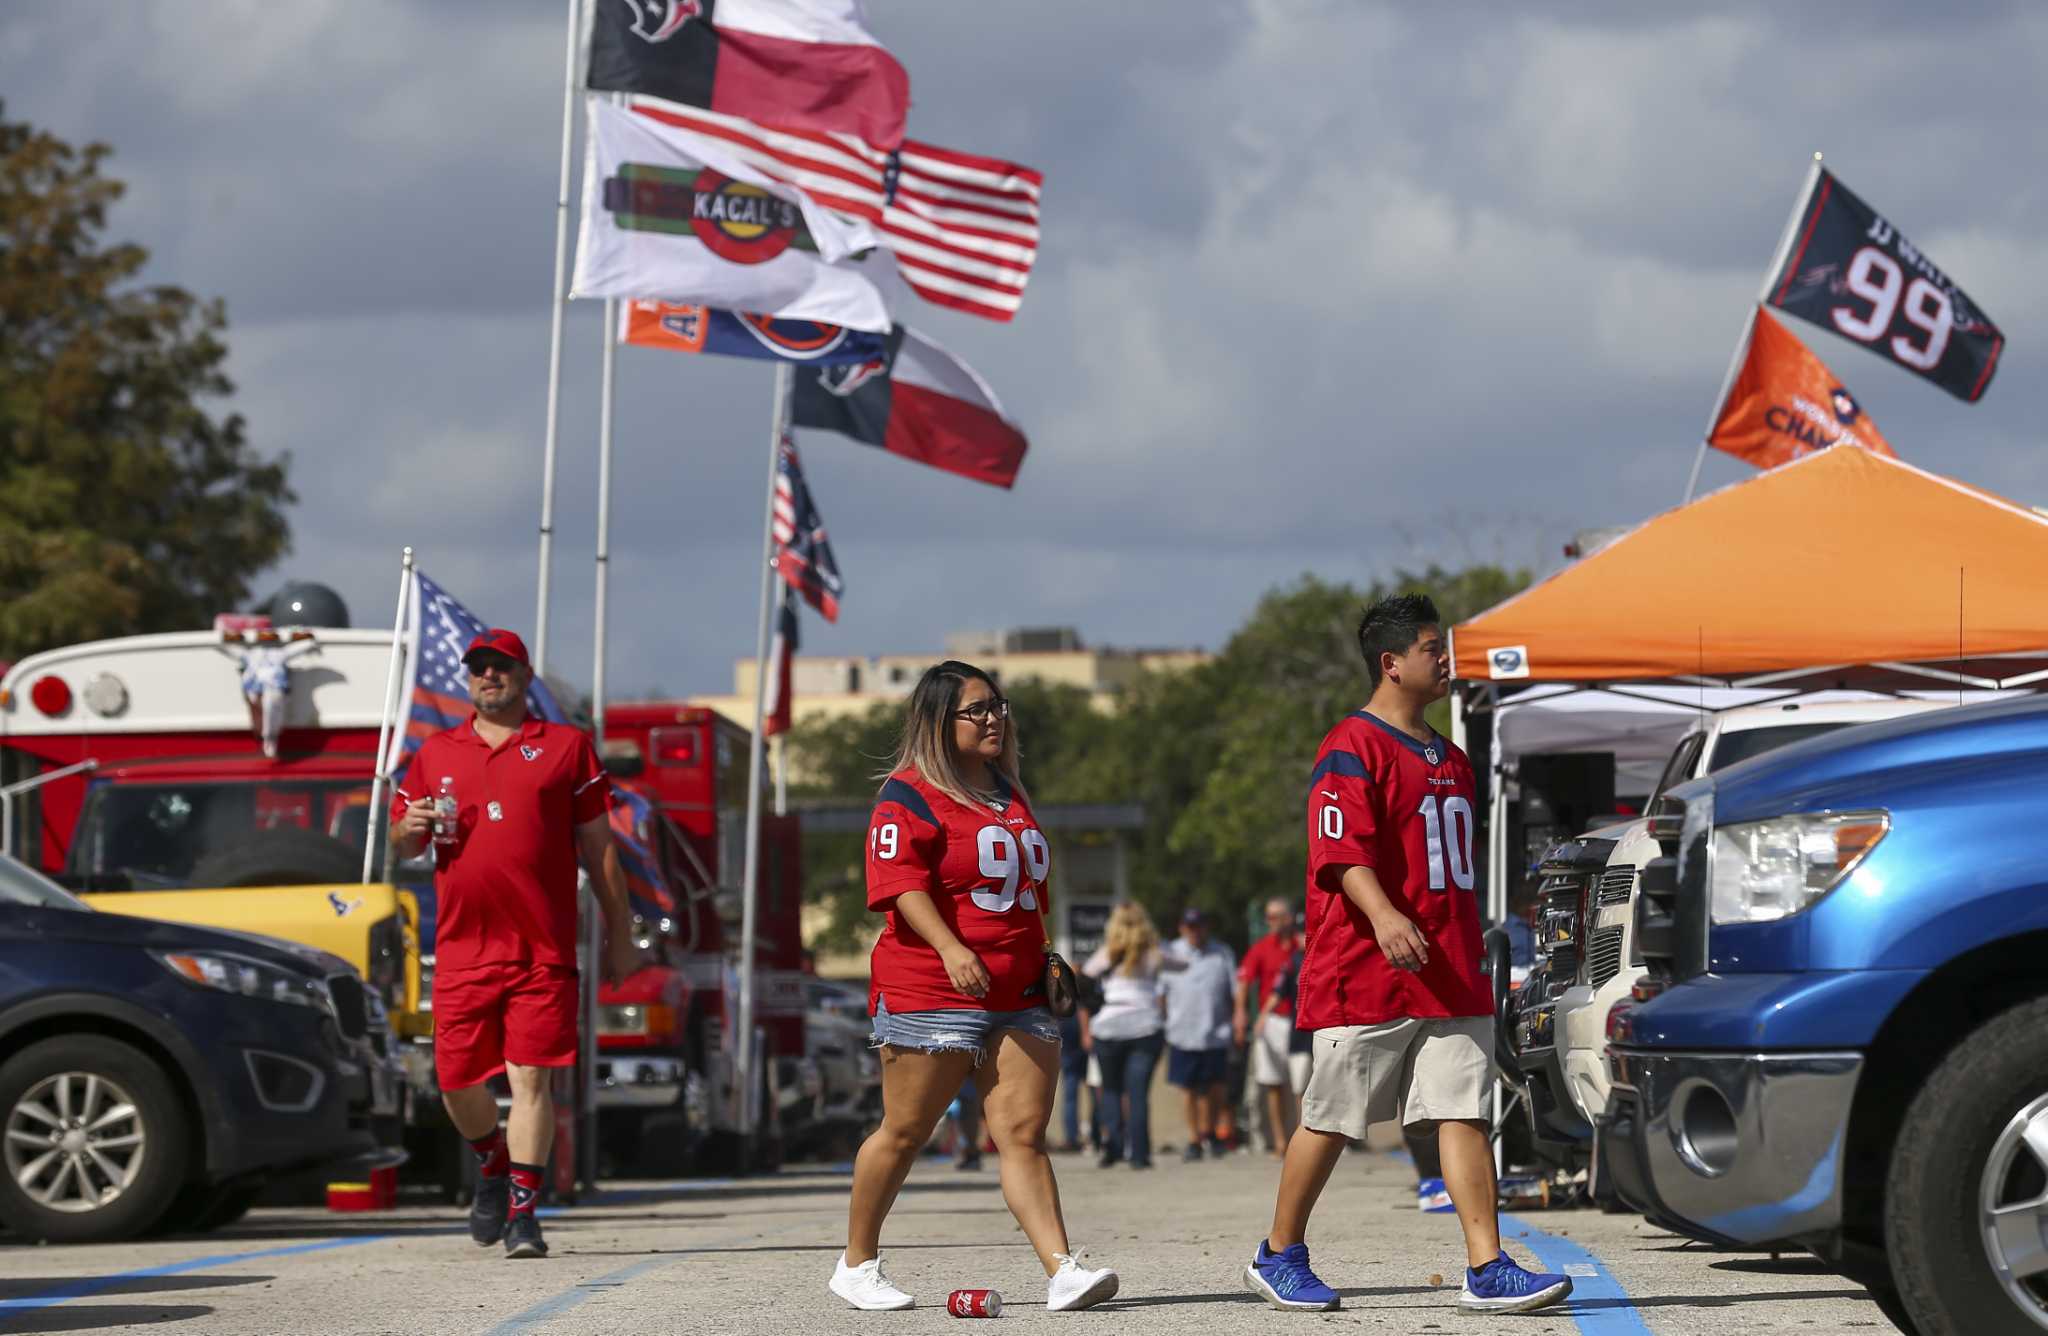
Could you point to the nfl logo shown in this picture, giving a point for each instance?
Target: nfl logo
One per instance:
(1429, 755)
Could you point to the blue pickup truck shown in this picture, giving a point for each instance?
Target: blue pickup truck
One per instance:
(1843, 1041)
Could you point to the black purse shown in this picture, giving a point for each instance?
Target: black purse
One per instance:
(1062, 990)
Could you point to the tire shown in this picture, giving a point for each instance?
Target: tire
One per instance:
(102, 1074)
(280, 856)
(1934, 1222)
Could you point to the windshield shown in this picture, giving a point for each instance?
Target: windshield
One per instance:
(1733, 747)
(166, 835)
(23, 885)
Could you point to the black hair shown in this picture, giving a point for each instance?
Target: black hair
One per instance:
(1392, 626)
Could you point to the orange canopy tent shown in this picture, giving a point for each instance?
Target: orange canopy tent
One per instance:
(1842, 568)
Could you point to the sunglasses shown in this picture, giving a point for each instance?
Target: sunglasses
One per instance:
(982, 711)
(485, 665)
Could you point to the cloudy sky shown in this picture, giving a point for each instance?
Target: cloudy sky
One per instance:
(1324, 287)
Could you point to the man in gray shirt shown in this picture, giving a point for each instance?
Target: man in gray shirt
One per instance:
(1198, 1034)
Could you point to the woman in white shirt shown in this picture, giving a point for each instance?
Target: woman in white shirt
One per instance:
(1128, 1031)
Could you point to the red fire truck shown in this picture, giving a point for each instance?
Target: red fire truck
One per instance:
(666, 1044)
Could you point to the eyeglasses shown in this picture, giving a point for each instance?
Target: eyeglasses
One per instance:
(982, 711)
(485, 667)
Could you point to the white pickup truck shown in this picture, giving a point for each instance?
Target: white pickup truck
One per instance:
(1586, 958)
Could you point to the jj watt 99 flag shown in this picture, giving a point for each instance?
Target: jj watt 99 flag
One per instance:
(1851, 271)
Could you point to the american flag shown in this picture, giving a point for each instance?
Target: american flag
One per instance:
(438, 630)
(963, 228)
(636, 834)
(802, 551)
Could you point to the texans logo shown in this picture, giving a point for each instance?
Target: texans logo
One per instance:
(530, 753)
(842, 381)
(343, 908)
(522, 1197)
(659, 20)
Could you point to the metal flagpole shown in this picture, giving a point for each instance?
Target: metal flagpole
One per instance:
(388, 720)
(750, 883)
(1763, 293)
(593, 923)
(782, 774)
(561, 306)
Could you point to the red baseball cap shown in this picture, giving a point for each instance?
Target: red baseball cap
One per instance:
(499, 641)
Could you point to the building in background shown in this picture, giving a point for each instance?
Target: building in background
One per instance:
(838, 685)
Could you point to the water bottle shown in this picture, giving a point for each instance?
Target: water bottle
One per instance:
(444, 814)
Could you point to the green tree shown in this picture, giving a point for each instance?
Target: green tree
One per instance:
(125, 504)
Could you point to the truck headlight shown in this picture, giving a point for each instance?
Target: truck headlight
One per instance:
(250, 978)
(1763, 870)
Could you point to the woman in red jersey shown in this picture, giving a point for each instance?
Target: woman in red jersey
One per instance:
(957, 862)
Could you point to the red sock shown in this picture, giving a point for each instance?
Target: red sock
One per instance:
(491, 1155)
(526, 1179)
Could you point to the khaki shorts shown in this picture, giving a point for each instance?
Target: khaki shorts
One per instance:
(1272, 1063)
(1419, 1071)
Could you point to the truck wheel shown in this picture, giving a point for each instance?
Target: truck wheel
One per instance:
(280, 856)
(96, 1141)
(1966, 1199)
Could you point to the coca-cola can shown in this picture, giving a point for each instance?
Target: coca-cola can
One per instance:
(974, 1303)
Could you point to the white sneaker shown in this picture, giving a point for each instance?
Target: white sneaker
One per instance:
(865, 1287)
(1073, 1286)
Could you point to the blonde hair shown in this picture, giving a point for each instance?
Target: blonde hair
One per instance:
(1131, 939)
(927, 742)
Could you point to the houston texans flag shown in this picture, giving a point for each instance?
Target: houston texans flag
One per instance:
(671, 215)
(438, 630)
(803, 554)
(775, 710)
(684, 328)
(1852, 272)
(1785, 403)
(810, 64)
(918, 401)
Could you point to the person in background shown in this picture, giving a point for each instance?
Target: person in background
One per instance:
(1280, 1075)
(1073, 1082)
(1128, 1031)
(1199, 998)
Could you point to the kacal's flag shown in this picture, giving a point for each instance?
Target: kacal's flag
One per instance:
(685, 328)
(918, 401)
(1852, 272)
(775, 709)
(1785, 403)
(962, 227)
(811, 64)
(803, 554)
(670, 215)
(437, 633)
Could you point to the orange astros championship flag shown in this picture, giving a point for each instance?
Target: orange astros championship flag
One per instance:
(1786, 403)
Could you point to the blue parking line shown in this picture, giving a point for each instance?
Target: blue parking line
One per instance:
(88, 1285)
(1599, 1304)
(569, 1298)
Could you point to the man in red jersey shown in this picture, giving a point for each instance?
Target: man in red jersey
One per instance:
(1390, 980)
(531, 801)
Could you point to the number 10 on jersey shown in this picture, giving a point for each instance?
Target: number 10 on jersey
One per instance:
(1446, 828)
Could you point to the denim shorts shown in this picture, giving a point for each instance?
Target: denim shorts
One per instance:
(960, 1030)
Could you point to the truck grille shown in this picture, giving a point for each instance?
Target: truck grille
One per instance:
(1615, 886)
(1603, 955)
(351, 1015)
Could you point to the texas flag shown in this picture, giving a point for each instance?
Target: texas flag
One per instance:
(1785, 403)
(918, 401)
(805, 64)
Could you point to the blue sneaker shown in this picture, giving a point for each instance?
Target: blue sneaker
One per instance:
(1502, 1287)
(1283, 1280)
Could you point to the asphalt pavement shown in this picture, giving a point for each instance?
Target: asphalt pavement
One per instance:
(753, 1255)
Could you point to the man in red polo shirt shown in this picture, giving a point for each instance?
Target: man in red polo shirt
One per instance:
(531, 801)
